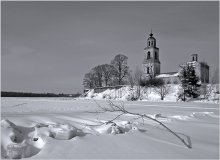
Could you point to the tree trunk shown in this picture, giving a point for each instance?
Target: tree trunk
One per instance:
(184, 96)
(106, 82)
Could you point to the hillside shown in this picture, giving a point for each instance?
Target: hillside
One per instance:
(128, 93)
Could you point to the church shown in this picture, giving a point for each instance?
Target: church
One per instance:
(151, 64)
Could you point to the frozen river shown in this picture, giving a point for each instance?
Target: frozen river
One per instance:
(73, 128)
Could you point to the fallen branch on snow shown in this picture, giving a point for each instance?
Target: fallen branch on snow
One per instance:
(120, 108)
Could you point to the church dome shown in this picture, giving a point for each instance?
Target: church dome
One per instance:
(151, 41)
(151, 37)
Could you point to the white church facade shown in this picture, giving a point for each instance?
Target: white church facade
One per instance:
(151, 64)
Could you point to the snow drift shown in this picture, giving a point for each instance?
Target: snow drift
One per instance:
(128, 93)
(57, 128)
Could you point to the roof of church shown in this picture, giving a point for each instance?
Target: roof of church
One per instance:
(168, 74)
(151, 38)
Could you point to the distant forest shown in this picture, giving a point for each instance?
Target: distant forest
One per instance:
(24, 94)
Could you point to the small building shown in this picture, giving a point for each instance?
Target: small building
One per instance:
(201, 68)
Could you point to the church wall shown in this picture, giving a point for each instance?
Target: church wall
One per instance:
(157, 68)
(152, 53)
(204, 73)
(151, 68)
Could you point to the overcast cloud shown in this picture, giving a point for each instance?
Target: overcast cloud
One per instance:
(49, 46)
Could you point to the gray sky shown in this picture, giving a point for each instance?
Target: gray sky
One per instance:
(49, 46)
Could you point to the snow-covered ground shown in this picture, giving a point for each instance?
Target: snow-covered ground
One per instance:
(58, 128)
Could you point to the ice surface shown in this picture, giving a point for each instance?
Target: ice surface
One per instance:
(56, 128)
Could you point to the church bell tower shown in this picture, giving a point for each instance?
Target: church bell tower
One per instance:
(151, 63)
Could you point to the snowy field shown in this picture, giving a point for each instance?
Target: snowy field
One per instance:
(59, 128)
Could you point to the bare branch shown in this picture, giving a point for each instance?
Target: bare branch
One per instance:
(120, 108)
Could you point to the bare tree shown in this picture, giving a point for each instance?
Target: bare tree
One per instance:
(138, 74)
(150, 71)
(121, 67)
(99, 74)
(122, 111)
(206, 90)
(137, 78)
(134, 79)
(162, 90)
(131, 80)
(89, 80)
(108, 71)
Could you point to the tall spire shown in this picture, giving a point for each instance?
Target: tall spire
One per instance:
(151, 34)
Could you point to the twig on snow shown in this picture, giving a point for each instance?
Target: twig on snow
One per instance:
(120, 108)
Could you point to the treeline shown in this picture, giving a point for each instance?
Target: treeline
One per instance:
(24, 94)
(115, 73)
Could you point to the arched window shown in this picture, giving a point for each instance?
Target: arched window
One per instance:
(152, 43)
(149, 43)
(148, 55)
(148, 70)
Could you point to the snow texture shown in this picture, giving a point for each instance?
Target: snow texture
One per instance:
(149, 94)
(58, 128)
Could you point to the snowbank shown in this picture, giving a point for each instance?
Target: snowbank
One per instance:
(148, 94)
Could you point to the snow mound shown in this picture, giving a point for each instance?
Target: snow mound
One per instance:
(194, 115)
(201, 115)
(23, 142)
(181, 117)
(17, 141)
(115, 128)
(62, 131)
